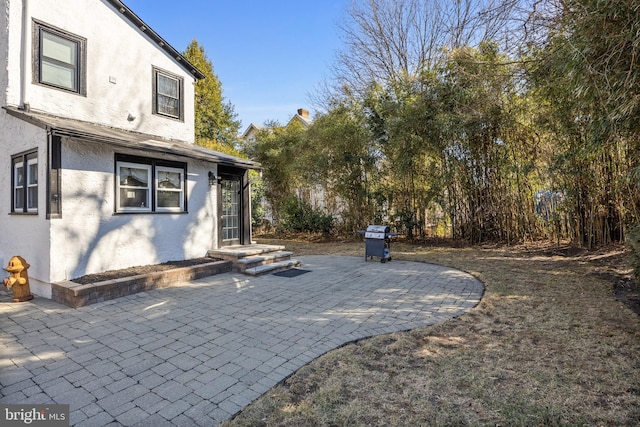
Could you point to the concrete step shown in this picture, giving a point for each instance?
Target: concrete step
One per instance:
(242, 264)
(234, 253)
(273, 267)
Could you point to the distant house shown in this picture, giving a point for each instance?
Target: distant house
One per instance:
(251, 132)
(301, 116)
(316, 195)
(98, 163)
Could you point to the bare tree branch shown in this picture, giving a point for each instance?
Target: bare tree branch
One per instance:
(387, 41)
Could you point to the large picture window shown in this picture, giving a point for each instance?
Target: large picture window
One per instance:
(149, 185)
(59, 59)
(24, 182)
(167, 94)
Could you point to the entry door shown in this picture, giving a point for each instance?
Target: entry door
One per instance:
(231, 211)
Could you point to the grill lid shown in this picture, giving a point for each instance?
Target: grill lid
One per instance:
(378, 229)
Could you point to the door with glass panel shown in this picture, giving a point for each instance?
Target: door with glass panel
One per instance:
(231, 209)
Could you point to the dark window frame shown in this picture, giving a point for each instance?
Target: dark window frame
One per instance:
(54, 181)
(156, 72)
(153, 165)
(80, 78)
(24, 158)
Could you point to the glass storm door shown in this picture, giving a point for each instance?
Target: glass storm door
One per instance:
(230, 212)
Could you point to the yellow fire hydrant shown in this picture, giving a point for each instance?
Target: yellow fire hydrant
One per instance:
(18, 279)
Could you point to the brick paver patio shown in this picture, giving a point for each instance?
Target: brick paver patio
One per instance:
(198, 352)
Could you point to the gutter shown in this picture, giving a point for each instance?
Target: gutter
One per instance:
(25, 58)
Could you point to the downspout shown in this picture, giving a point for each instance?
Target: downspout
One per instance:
(25, 57)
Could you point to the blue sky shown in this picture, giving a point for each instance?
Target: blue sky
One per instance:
(268, 54)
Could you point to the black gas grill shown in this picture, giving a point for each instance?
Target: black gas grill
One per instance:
(377, 242)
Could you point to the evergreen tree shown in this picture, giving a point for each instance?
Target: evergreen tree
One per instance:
(216, 125)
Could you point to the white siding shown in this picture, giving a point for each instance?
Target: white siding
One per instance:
(24, 235)
(4, 50)
(116, 51)
(95, 239)
(89, 237)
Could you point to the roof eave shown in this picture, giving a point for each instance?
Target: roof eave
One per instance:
(127, 139)
(162, 43)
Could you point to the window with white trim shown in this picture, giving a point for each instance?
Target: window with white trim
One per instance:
(168, 94)
(169, 189)
(150, 185)
(24, 195)
(134, 187)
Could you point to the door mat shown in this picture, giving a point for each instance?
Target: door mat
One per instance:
(292, 272)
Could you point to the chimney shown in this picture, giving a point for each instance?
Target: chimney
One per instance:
(303, 113)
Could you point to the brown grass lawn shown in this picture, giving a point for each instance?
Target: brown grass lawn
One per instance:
(549, 344)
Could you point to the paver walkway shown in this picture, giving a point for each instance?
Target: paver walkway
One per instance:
(198, 352)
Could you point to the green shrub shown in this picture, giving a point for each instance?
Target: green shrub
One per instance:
(257, 196)
(299, 216)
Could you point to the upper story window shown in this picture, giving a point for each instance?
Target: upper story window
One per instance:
(24, 182)
(59, 59)
(168, 94)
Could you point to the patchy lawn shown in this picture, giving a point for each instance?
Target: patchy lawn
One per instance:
(549, 344)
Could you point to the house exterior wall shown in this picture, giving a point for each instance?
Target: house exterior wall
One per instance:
(96, 239)
(4, 50)
(25, 235)
(119, 60)
(89, 237)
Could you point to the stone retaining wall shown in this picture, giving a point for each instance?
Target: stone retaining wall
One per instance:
(77, 295)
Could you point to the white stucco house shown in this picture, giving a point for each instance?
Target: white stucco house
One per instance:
(97, 157)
